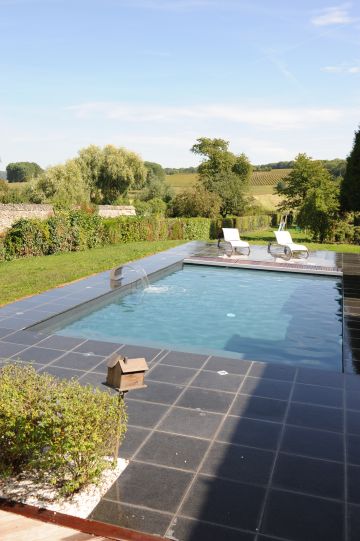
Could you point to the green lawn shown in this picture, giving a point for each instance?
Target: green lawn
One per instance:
(264, 237)
(23, 277)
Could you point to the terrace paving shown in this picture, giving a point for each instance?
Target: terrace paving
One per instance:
(263, 452)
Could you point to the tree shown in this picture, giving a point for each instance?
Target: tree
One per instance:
(63, 185)
(119, 171)
(350, 187)
(110, 172)
(223, 173)
(305, 175)
(156, 186)
(154, 171)
(90, 161)
(22, 171)
(319, 210)
(197, 202)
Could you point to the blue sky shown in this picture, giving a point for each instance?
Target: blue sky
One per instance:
(273, 77)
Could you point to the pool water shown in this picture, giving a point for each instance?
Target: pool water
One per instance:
(257, 315)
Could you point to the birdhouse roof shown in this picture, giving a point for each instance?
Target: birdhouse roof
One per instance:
(133, 365)
(113, 360)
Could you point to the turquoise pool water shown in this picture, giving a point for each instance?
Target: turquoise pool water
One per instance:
(258, 315)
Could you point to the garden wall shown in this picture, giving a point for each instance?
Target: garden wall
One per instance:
(12, 212)
(112, 211)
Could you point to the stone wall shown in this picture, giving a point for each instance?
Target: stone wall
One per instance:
(10, 213)
(111, 211)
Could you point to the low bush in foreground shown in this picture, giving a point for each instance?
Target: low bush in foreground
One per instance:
(57, 430)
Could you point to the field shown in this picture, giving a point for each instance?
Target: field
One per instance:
(261, 186)
(268, 178)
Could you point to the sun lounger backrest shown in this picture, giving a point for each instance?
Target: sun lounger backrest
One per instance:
(283, 237)
(231, 234)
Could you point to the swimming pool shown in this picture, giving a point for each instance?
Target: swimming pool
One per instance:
(257, 315)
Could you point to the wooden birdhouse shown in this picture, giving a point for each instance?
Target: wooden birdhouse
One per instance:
(126, 374)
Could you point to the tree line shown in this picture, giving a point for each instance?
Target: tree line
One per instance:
(328, 205)
(325, 202)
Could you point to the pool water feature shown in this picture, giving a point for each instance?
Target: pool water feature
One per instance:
(257, 315)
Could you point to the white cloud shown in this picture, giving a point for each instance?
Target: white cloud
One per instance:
(333, 15)
(341, 69)
(271, 117)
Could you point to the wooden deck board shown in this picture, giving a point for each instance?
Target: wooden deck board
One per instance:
(17, 528)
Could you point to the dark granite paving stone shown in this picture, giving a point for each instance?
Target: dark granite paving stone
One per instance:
(352, 322)
(234, 366)
(352, 383)
(163, 393)
(313, 443)
(5, 332)
(151, 486)
(79, 361)
(134, 518)
(266, 388)
(309, 475)
(353, 449)
(250, 432)
(297, 517)
(354, 522)
(171, 374)
(259, 408)
(8, 349)
(224, 502)
(325, 378)
(95, 379)
(144, 414)
(27, 338)
(218, 382)
(64, 343)
(186, 529)
(39, 355)
(139, 351)
(314, 394)
(18, 323)
(353, 400)
(239, 463)
(55, 306)
(353, 422)
(187, 360)
(95, 347)
(134, 437)
(62, 373)
(269, 371)
(353, 361)
(315, 417)
(191, 422)
(353, 482)
(172, 450)
(203, 399)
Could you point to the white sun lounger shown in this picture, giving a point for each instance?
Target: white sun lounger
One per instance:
(232, 237)
(283, 238)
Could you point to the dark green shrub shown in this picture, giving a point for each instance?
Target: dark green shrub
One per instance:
(27, 238)
(58, 430)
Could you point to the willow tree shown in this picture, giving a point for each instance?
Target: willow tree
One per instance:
(111, 171)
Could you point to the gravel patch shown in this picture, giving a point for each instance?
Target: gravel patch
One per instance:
(24, 490)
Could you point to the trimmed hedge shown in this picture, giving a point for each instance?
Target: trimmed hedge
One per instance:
(57, 430)
(79, 230)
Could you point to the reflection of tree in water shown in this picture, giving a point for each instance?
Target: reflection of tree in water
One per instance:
(310, 339)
